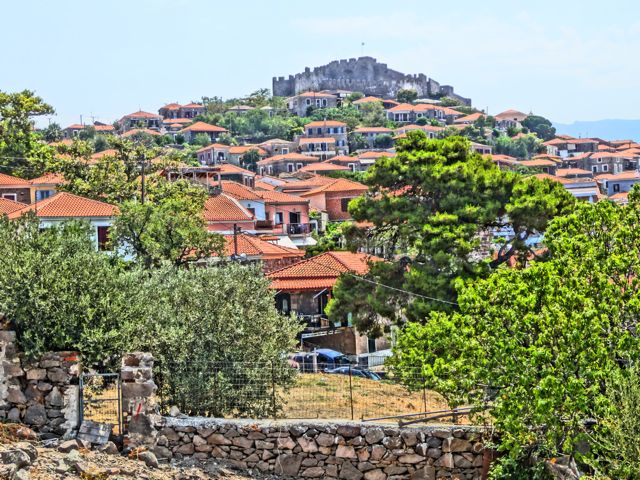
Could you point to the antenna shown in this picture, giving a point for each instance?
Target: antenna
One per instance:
(362, 49)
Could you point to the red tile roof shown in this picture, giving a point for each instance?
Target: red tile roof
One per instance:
(321, 271)
(104, 128)
(509, 114)
(10, 181)
(135, 131)
(9, 206)
(316, 94)
(203, 127)
(224, 208)
(239, 191)
(228, 168)
(469, 118)
(192, 105)
(67, 205)
(75, 126)
(537, 163)
(273, 197)
(251, 245)
(338, 185)
(242, 149)
(48, 179)
(325, 123)
(141, 114)
(375, 155)
(177, 120)
(171, 106)
(372, 130)
(291, 157)
(215, 146)
(367, 100)
(628, 175)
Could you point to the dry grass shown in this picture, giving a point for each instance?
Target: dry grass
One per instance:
(327, 396)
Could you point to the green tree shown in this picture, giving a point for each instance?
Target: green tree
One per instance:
(169, 226)
(383, 141)
(250, 159)
(62, 294)
(353, 96)
(406, 95)
(543, 341)
(541, 126)
(524, 146)
(201, 140)
(21, 148)
(357, 142)
(220, 343)
(52, 133)
(373, 114)
(432, 202)
(258, 99)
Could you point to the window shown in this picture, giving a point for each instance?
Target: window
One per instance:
(324, 102)
(10, 196)
(42, 194)
(319, 131)
(352, 166)
(279, 218)
(308, 101)
(285, 151)
(605, 168)
(298, 166)
(103, 238)
(289, 167)
(269, 170)
(344, 204)
(616, 187)
(594, 169)
(317, 102)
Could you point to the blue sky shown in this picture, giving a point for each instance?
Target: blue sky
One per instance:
(567, 60)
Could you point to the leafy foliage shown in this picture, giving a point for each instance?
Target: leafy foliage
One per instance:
(541, 126)
(406, 95)
(543, 342)
(432, 202)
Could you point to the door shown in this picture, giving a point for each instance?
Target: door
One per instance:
(283, 303)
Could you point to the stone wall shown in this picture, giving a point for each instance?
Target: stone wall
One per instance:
(326, 450)
(363, 74)
(43, 393)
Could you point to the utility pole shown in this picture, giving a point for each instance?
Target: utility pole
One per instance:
(235, 240)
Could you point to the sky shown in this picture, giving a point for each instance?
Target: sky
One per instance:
(565, 59)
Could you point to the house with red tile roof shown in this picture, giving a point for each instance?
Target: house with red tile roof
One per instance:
(432, 131)
(510, 119)
(45, 186)
(254, 249)
(408, 113)
(142, 132)
(213, 154)
(304, 288)
(305, 102)
(64, 206)
(329, 129)
(370, 133)
(320, 147)
(15, 188)
(333, 198)
(141, 119)
(202, 128)
(173, 111)
(73, 130)
(236, 152)
(222, 212)
(289, 163)
(610, 184)
(469, 119)
(325, 167)
(277, 146)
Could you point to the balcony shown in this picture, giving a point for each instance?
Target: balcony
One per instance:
(296, 228)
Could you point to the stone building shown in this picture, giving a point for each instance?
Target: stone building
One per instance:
(363, 74)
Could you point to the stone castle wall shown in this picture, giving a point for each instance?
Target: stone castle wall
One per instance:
(363, 74)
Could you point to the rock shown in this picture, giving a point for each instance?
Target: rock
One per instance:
(186, 449)
(217, 439)
(446, 460)
(174, 411)
(426, 473)
(456, 445)
(411, 459)
(325, 440)
(242, 442)
(395, 470)
(285, 443)
(162, 453)
(374, 435)
(169, 433)
(15, 395)
(15, 456)
(14, 415)
(307, 444)
(22, 475)
(313, 472)
(57, 375)
(392, 443)
(357, 441)
(36, 374)
(331, 470)
(348, 431)
(377, 452)
(66, 447)
(433, 453)
(260, 445)
(344, 451)
(90, 470)
(410, 438)
(149, 459)
(55, 398)
(365, 466)
(25, 433)
(73, 457)
(287, 464)
(460, 462)
(198, 441)
(297, 430)
(375, 475)
(36, 415)
(109, 448)
(256, 436)
(349, 472)
(44, 386)
(29, 449)
(32, 393)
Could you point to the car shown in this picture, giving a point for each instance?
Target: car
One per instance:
(355, 372)
(325, 358)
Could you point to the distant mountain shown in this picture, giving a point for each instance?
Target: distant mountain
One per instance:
(605, 129)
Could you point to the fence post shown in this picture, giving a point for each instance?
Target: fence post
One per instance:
(351, 392)
(273, 389)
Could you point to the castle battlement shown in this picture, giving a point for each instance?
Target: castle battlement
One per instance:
(363, 74)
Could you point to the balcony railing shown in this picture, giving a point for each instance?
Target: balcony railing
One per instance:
(296, 228)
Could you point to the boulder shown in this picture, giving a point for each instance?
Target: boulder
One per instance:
(287, 464)
(15, 395)
(375, 475)
(36, 415)
(148, 458)
(69, 445)
(344, 451)
(313, 472)
(55, 398)
(349, 472)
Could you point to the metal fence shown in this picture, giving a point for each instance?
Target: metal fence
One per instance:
(100, 399)
(277, 390)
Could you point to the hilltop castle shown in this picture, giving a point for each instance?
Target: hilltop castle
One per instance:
(364, 75)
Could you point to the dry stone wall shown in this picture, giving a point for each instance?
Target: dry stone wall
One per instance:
(44, 393)
(326, 450)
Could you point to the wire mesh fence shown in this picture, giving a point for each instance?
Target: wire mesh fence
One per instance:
(278, 390)
(100, 399)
